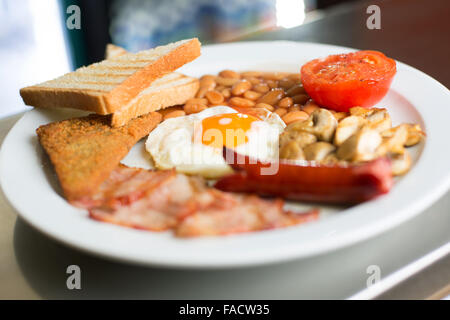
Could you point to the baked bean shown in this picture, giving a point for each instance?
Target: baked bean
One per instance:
(261, 88)
(174, 114)
(295, 116)
(229, 74)
(197, 100)
(272, 84)
(300, 98)
(241, 102)
(295, 76)
(253, 80)
(274, 75)
(226, 93)
(281, 111)
(265, 106)
(240, 87)
(260, 113)
(309, 108)
(227, 82)
(220, 88)
(286, 83)
(252, 95)
(214, 97)
(295, 107)
(202, 91)
(272, 97)
(286, 102)
(248, 74)
(190, 108)
(295, 90)
(207, 78)
(208, 81)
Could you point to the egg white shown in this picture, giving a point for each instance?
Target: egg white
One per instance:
(172, 144)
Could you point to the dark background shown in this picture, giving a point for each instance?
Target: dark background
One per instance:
(36, 45)
(416, 32)
(88, 44)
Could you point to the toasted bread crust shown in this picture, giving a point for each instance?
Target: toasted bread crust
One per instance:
(106, 102)
(81, 99)
(114, 51)
(143, 78)
(85, 150)
(156, 101)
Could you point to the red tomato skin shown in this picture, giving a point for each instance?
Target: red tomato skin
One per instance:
(344, 94)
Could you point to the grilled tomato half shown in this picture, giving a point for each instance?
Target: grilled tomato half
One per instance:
(342, 81)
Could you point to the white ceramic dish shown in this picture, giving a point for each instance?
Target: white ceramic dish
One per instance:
(30, 185)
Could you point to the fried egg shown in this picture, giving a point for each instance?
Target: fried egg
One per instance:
(193, 144)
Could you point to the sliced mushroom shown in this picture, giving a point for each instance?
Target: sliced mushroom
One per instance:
(359, 111)
(291, 150)
(389, 132)
(400, 163)
(301, 137)
(361, 146)
(340, 115)
(379, 119)
(347, 127)
(376, 114)
(415, 135)
(318, 151)
(321, 123)
(394, 140)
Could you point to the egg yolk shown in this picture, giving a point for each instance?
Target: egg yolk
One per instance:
(228, 130)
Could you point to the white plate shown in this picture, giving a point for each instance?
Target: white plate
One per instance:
(30, 185)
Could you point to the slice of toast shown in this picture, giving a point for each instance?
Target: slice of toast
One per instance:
(170, 90)
(107, 86)
(114, 51)
(85, 150)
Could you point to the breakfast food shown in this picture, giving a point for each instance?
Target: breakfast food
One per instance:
(220, 143)
(171, 89)
(254, 93)
(85, 150)
(193, 143)
(114, 84)
(342, 81)
(352, 137)
(163, 200)
(310, 182)
(312, 133)
(114, 51)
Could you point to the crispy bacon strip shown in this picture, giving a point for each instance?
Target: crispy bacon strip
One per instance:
(158, 208)
(124, 186)
(317, 183)
(162, 200)
(237, 214)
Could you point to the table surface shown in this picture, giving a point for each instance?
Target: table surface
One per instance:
(32, 266)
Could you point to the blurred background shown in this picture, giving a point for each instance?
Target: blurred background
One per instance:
(36, 44)
(40, 39)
